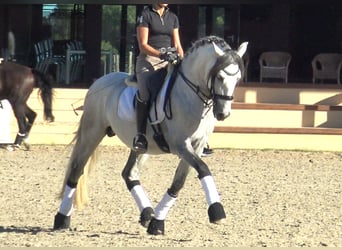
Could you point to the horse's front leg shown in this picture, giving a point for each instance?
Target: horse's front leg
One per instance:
(215, 211)
(189, 157)
(130, 174)
(156, 226)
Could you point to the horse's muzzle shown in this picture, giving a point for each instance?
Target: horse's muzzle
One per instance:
(222, 116)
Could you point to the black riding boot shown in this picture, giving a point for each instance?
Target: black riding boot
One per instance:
(140, 142)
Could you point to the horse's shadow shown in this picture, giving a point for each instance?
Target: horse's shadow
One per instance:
(36, 230)
(24, 230)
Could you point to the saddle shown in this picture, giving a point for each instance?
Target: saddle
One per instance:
(160, 85)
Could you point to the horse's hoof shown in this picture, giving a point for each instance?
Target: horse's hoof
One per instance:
(156, 227)
(13, 147)
(10, 148)
(146, 216)
(216, 213)
(27, 146)
(51, 119)
(61, 222)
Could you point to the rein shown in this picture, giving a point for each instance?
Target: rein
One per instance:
(204, 98)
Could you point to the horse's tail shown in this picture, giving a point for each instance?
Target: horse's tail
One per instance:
(81, 195)
(44, 83)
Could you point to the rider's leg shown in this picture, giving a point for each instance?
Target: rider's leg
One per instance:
(144, 70)
(140, 141)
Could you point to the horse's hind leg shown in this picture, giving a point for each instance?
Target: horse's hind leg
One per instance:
(86, 143)
(19, 112)
(130, 174)
(31, 117)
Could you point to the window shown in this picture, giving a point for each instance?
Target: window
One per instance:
(65, 21)
(113, 33)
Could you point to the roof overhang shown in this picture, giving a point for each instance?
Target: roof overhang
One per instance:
(199, 2)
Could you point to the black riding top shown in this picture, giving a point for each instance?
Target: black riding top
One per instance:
(160, 27)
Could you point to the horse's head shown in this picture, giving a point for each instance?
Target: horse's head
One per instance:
(213, 70)
(223, 77)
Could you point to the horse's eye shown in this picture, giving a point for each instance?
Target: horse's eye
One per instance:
(220, 78)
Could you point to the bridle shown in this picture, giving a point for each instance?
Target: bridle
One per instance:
(207, 99)
(212, 89)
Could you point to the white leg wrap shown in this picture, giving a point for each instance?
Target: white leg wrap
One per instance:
(164, 207)
(140, 197)
(210, 189)
(68, 200)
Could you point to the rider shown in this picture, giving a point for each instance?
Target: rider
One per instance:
(157, 29)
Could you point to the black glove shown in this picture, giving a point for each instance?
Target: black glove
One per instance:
(171, 57)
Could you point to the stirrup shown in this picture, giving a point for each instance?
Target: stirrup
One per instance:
(140, 143)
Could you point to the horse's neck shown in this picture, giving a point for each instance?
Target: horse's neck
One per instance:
(196, 68)
(187, 103)
(189, 112)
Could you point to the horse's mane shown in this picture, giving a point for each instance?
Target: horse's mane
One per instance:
(230, 55)
(206, 41)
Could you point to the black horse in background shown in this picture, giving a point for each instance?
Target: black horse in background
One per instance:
(16, 84)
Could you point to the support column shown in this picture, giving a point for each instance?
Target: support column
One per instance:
(92, 41)
(188, 24)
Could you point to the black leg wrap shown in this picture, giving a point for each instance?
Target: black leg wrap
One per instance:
(18, 140)
(131, 184)
(71, 184)
(156, 227)
(216, 212)
(146, 216)
(28, 129)
(61, 222)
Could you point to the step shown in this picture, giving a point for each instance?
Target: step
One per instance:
(272, 130)
(283, 115)
(257, 141)
(282, 118)
(288, 93)
(279, 106)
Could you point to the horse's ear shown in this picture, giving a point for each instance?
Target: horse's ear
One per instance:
(242, 49)
(218, 51)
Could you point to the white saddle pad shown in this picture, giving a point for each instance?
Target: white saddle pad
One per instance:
(126, 110)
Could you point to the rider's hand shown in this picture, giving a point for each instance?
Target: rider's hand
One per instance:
(170, 56)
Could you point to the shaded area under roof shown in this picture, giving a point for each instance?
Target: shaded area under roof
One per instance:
(170, 2)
